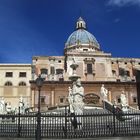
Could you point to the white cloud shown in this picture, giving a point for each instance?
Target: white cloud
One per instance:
(121, 3)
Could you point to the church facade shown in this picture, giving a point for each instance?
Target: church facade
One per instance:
(95, 68)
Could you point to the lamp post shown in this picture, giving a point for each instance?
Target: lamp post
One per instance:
(39, 83)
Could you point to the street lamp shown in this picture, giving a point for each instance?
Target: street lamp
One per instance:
(39, 83)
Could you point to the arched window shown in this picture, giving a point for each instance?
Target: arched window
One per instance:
(8, 89)
(22, 84)
(8, 83)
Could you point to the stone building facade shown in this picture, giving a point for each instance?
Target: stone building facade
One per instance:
(14, 83)
(95, 68)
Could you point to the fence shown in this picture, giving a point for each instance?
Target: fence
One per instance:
(63, 125)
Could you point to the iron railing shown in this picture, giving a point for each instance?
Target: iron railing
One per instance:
(64, 125)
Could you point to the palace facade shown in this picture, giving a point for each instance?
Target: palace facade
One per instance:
(14, 83)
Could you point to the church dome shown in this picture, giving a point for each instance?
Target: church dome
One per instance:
(81, 36)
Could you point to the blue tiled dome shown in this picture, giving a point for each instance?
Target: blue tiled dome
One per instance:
(82, 36)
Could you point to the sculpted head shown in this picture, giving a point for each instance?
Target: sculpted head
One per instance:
(21, 99)
(78, 82)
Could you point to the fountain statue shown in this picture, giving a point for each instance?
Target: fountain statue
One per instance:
(2, 106)
(76, 94)
(76, 97)
(21, 105)
(124, 103)
(8, 108)
(104, 92)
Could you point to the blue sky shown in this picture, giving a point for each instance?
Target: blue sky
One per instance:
(41, 27)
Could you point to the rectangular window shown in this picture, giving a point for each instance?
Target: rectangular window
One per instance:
(59, 71)
(122, 72)
(52, 70)
(134, 99)
(114, 72)
(22, 74)
(42, 99)
(127, 73)
(89, 68)
(61, 99)
(119, 100)
(44, 71)
(85, 50)
(9, 74)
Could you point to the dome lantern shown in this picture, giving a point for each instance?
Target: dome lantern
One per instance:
(80, 24)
